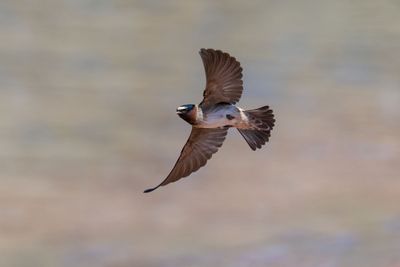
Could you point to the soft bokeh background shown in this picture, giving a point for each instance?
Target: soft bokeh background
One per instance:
(88, 91)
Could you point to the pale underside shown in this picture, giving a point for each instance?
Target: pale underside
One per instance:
(221, 116)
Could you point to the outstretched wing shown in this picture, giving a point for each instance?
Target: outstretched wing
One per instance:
(223, 78)
(202, 143)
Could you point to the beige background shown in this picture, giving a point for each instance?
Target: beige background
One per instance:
(88, 91)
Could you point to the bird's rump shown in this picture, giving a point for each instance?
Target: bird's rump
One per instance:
(261, 121)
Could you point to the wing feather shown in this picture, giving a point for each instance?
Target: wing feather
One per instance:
(199, 148)
(223, 78)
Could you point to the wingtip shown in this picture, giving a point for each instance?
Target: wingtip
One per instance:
(149, 190)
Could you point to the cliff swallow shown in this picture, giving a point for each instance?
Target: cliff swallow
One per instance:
(212, 118)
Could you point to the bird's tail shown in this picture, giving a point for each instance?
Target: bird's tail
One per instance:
(261, 122)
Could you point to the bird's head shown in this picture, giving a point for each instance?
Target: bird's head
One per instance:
(184, 109)
(187, 112)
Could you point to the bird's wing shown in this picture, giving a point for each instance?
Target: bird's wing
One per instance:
(223, 78)
(202, 143)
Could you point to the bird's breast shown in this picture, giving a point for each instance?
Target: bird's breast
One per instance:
(218, 116)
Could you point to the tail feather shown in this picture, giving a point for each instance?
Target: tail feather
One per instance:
(261, 122)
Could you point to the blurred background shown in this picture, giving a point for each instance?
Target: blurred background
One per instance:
(88, 92)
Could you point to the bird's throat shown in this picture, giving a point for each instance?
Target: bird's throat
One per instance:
(190, 117)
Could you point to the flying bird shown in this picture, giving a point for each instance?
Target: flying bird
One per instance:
(212, 118)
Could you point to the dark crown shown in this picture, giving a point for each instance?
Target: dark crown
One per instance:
(185, 108)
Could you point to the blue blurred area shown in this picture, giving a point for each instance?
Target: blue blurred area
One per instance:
(88, 91)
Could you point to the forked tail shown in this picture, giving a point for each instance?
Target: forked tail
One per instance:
(261, 122)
